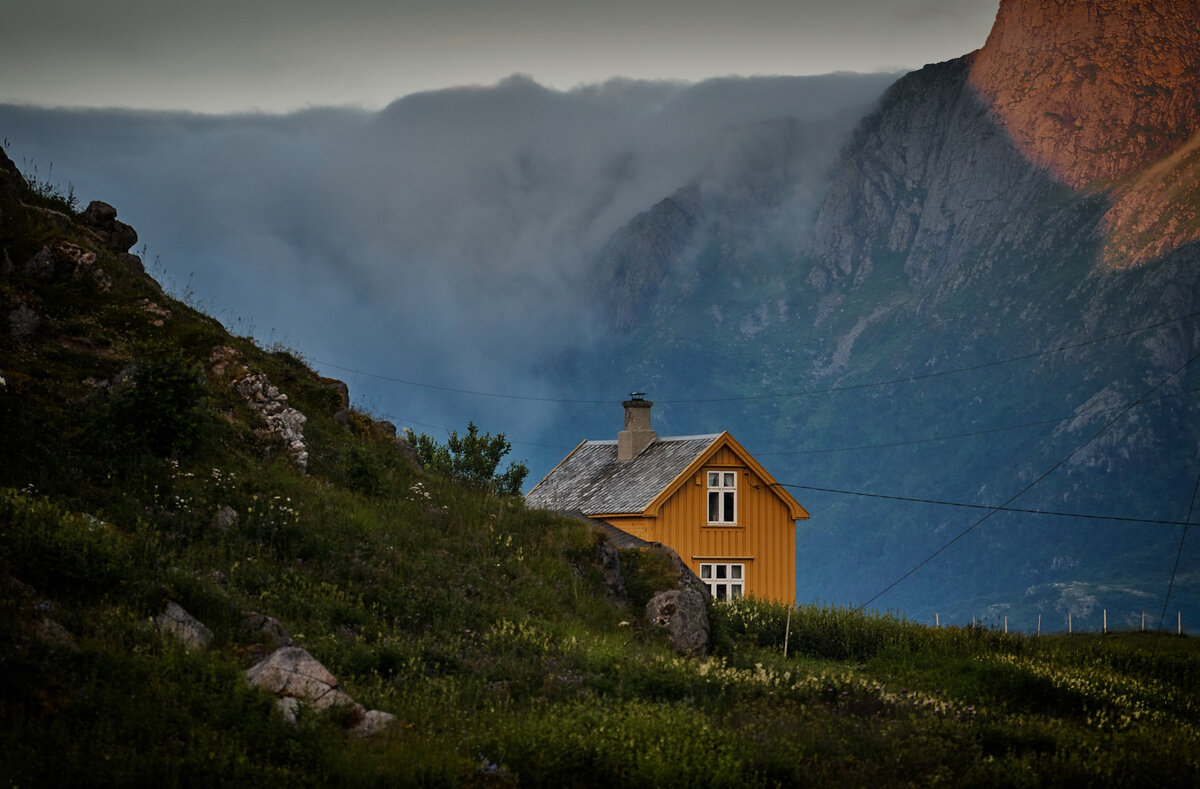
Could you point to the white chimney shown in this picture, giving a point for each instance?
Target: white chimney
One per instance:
(637, 434)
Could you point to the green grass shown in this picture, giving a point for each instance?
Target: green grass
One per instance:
(482, 626)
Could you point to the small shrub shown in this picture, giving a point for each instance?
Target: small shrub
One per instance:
(49, 194)
(364, 471)
(646, 572)
(471, 459)
(160, 411)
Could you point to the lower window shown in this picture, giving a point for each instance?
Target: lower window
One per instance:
(724, 581)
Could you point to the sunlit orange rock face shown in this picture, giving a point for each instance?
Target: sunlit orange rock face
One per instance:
(1105, 94)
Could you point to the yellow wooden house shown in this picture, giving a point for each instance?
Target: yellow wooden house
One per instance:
(704, 496)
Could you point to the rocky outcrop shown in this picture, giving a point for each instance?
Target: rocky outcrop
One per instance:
(1105, 95)
(12, 184)
(283, 422)
(267, 627)
(225, 519)
(295, 677)
(290, 672)
(24, 322)
(682, 613)
(609, 562)
(1093, 89)
(342, 392)
(188, 630)
(101, 219)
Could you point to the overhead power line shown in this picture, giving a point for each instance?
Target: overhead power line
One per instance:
(456, 390)
(1179, 552)
(938, 373)
(766, 396)
(1000, 508)
(991, 507)
(970, 433)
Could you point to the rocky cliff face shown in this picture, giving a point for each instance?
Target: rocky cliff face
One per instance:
(931, 184)
(1105, 95)
(1093, 89)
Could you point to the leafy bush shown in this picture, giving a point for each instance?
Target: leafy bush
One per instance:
(160, 411)
(646, 572)
(471, 459)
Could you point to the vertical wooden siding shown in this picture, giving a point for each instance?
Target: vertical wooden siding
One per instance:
(764, 537)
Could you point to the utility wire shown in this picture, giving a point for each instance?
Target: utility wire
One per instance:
(1031, 485)
(938, 373)
(886, 445)
(411, 422)
(768, 396)
(1179, 552)
(966, 505)
(455, 390)
(969, 434)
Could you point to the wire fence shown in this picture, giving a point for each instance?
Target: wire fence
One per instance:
(1068, 622)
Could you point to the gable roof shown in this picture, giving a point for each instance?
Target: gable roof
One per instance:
(592, 481)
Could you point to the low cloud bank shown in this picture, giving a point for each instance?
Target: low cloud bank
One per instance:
(445, 239)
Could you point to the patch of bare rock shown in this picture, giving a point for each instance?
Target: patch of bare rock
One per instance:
(290, 673)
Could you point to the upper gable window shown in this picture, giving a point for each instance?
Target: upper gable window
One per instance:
(722, 497)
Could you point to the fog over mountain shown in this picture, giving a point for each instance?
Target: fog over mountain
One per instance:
(955, 310)
(442, 240)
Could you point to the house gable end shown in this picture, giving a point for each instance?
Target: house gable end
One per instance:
(725, 441)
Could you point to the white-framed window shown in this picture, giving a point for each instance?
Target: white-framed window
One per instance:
(722, 497)
(725, 580)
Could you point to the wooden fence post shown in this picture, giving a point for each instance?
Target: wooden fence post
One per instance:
(1039, 632)
(1104, 627)
(937, 620)
(1068, 623)
(787, 630)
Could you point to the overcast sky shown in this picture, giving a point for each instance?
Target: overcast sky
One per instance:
(277, 55)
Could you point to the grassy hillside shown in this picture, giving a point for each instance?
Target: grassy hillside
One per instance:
(135, 472)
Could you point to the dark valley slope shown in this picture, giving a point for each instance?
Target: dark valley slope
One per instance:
(958, 319)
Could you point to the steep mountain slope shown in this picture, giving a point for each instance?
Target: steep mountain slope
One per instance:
(953, 236)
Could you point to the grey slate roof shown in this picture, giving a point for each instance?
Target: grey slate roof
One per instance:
(591, 480)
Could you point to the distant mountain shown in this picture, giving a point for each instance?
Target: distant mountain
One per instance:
(991, 298)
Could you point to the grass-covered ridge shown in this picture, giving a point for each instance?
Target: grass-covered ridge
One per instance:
(484, 627)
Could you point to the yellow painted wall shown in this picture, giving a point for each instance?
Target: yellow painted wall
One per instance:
(636, 525)
(764, 537)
